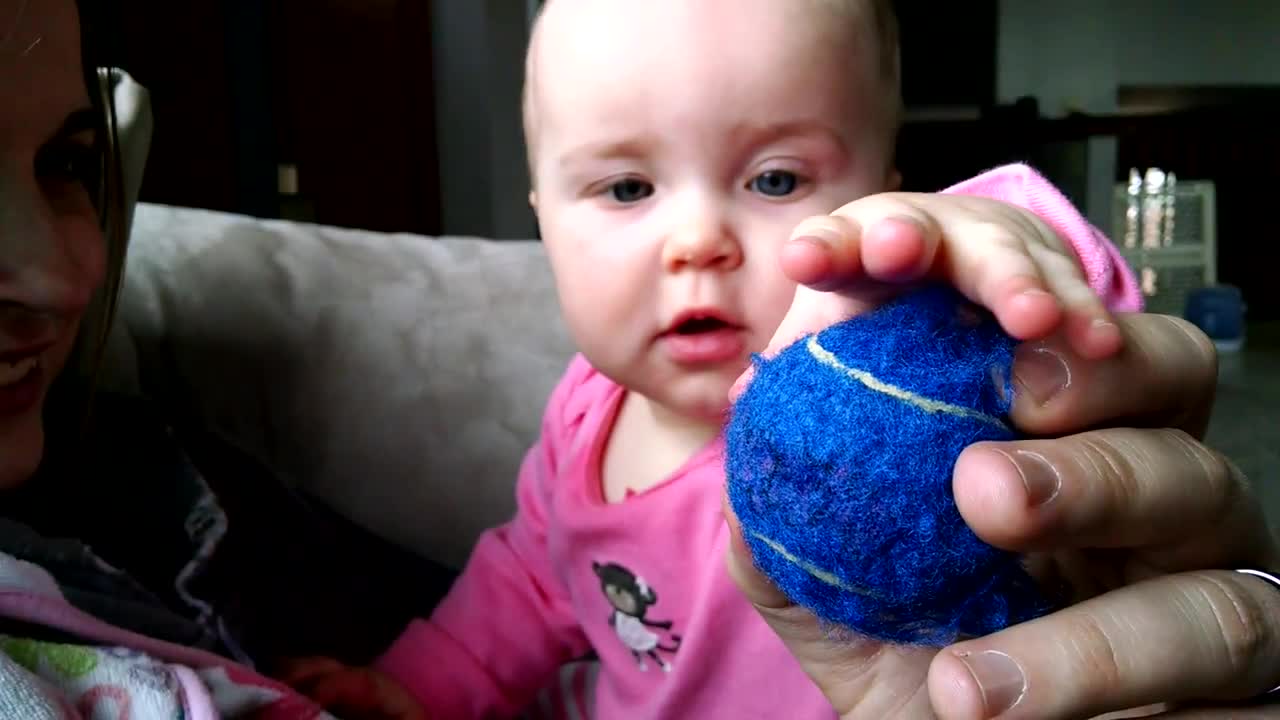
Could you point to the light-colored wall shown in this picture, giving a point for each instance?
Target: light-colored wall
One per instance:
(1074, 55)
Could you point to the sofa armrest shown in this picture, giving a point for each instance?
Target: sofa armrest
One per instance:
(398, 378)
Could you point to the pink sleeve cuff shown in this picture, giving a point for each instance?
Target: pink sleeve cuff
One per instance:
(403, 661)
(1105, 269)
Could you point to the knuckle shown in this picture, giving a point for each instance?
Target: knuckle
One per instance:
(1108, 461)
(1222, 486)
(1135, 468)
(1094, 651)
(874, 208)
(1063, 267)
(1023, 227)
(1243, 633)
(1168, 355)
(996, 236)
(1203, 346)
(1036, 231)
(1202, 370)
(993, 254)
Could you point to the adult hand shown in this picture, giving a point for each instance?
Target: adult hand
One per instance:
(1131, 516)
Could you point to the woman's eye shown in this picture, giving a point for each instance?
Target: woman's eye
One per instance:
(630, 190)
(67, 163)
(775, 183)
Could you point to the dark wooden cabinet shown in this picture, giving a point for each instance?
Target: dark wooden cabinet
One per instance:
(341, 90)
(178, 51)
(948, 52)
(354, 110)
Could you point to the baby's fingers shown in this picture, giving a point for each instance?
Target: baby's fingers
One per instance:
(862, 254)
(999, 273)
(1088, 325)
(875, 248)
(1014, 264)
(823, 252)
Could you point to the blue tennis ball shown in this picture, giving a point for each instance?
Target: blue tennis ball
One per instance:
(840, 455)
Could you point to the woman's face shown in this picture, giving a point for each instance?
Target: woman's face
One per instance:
(52, 254)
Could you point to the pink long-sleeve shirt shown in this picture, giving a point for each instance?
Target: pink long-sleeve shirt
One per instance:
(641, 582)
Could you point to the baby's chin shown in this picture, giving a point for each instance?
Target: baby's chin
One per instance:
(697, 394)
(702, 397)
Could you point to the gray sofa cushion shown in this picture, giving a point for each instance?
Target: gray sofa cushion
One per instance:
(397, 377)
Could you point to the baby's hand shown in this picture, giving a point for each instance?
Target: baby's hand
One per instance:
(352, 693)
(999, 255)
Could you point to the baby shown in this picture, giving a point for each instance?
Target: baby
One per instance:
(674, 146)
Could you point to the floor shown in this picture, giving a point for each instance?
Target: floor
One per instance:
(1246, 420)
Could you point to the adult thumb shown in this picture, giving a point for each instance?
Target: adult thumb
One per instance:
(757, 588)
(859, 677)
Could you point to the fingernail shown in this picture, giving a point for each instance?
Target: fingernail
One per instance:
(1042, 372)
(818, 234)
(999, 678)
(1039, 476)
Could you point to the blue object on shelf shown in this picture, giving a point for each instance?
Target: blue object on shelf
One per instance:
(1219, 312)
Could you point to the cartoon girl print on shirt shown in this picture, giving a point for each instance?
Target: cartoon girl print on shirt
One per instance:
(631, 598)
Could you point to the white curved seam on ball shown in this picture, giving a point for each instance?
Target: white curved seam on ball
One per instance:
(920, 627)
(817, 572)
(826, 357)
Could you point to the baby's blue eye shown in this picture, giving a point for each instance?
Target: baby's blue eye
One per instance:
(631, 190)
(775, 183)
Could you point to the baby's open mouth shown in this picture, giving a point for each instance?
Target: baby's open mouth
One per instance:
(697, 325)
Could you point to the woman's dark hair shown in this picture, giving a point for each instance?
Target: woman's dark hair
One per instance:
(89, 47)
(98, 83)
(70, 399)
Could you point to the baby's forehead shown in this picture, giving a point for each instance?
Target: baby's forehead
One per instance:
(607, 24)
(573, 39)
(601, 64)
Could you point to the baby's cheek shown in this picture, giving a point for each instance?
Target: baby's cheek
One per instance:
(769, 294)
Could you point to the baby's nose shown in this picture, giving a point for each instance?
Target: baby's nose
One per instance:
(703, 243)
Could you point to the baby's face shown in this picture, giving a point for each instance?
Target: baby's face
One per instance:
(677, 143)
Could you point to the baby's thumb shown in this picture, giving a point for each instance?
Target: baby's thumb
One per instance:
(813, 310)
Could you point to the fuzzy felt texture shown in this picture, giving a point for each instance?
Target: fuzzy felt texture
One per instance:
(840, 455)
